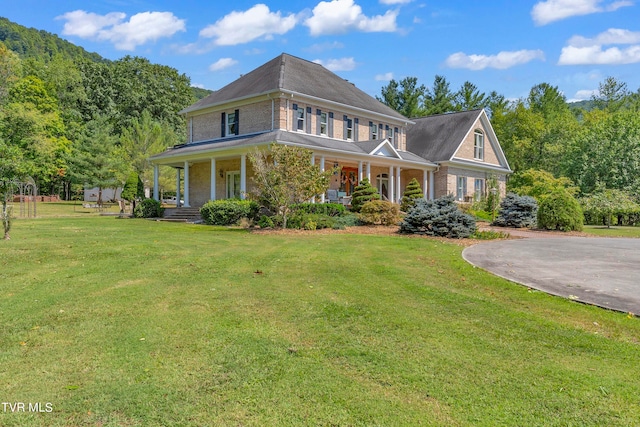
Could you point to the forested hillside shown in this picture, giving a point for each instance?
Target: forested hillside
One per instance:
(590, 149)
(69, 117)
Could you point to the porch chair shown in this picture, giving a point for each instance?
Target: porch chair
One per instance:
(332, 196)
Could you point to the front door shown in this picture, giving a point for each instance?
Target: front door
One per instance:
(233, 185)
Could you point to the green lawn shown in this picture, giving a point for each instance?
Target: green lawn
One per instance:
(124, 322)
(614, 231)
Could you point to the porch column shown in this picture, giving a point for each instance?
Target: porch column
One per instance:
(313, 162)
(177, 187)
(369, 171)
(360, 171)
(432, 186)
(425, 183)
(243, 176)
(398, 185)
(322, 170)
(186, 184)
(212, 194)
(156, 173)
(392, 187)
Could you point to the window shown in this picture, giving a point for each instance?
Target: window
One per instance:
(382, 184)
(232, 124)
(374, 131)
(349, 134)
(462, 188)
(390, 135)
(478, 189)
(300, 119)
(323, 124)
(478, 145)
(233, 185)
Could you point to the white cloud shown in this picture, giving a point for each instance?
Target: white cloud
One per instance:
(548, 11)
(222, 63)
(500, 61)
(384, 77)
(585, 94)
(243, 27)
(611, 36)
(341, 16)
(583, 51)
(572, 55)
(342, 64)
(125, 35)
(197, 85)
(322, 47)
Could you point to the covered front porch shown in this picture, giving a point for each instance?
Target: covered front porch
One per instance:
(222, 170)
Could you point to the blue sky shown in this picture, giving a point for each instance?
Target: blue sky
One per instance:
(506, 46)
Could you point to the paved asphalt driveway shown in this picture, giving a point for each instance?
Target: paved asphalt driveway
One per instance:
(600, 271)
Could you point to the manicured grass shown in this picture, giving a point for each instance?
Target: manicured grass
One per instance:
(64, 209)
(123, 322)
(614, 231)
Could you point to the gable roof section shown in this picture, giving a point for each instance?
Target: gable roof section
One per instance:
(290, 74)
(437, 138)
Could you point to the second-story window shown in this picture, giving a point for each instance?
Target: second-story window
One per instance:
(300, 119)
(232, 124)
(349, 134)
(478, 145)
(374, 131)
(323, 124)
(390, 135)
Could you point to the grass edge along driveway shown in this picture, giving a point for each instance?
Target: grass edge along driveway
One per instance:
(138, 323)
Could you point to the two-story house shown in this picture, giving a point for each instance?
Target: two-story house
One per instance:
(292, 101)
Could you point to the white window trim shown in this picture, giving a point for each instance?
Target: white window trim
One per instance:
(231, 174)
(478, 145)
(300, 118)
(461, 190)
(478, 191)
(349, 129)
(324, 123)
(231, 120)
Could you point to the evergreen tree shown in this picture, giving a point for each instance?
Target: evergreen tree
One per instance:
(411, 193)
(363, 193)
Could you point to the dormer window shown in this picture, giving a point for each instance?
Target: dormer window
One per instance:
(230, 124)
(478, 145)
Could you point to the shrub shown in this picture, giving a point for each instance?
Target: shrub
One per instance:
(439, 217)
(517, 211)
(347, 220)
(560, 211)
(266, 222)
(228, 212)
(379, 212)
(362, 194)
(148, 208)
(305, 221)
(328, 209)
(411, 193)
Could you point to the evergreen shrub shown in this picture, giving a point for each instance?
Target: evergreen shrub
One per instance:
(379, 212)
(560, 211)
(363, 193)
(148, 208)
(328, 209)
(439, 217)
(517, 211)
(229, 211)
(411, 193)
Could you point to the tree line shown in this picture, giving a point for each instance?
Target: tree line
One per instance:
(70, 122)
(590, 148)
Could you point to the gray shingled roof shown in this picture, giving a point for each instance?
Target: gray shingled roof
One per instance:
(291, 74)
(438, 137)
(281, 136)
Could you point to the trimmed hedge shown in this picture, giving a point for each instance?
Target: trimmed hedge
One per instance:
(560, 211)
(328, 209)
(439, 217)
(148, 208)
(228, 212)
(363, 193)
(379, 212)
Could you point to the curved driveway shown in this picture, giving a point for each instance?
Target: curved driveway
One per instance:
(594, 270)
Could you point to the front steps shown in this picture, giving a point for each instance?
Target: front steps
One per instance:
(191, 215)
